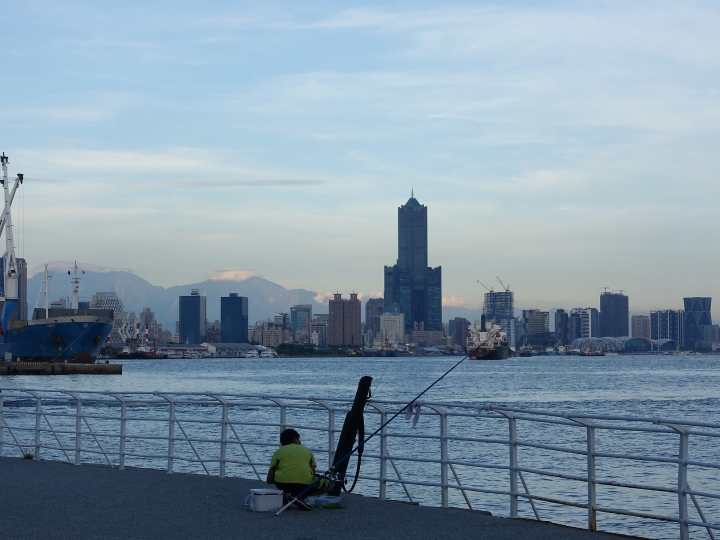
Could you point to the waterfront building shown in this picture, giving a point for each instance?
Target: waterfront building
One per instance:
(154, 328)
(640, 326)
(712, 334)
(614, 320)
(536, 328)
(458, 330)
(562, 327)
(283, 319)
(300, 317)
(193, 315)
(344, 321)
(234, 319)
(667, 324)
(696, 316)
(124, 322)
(392, 327)
(410, 284)
(583, 323)
(426, 338)
(319, 332)
(373, 311)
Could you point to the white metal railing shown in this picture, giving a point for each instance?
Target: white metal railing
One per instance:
(596, 464)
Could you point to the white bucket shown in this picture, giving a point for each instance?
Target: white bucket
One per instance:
(264, 500)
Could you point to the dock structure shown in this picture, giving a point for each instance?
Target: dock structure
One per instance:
(45, 499)
(45, 368)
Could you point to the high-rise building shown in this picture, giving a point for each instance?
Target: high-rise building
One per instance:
(562, 327)
(193, 314)
(667, 324)
(233, 319)
(410, 284)
(695, 318)
(344, 321)
(392, 327)
(614, 320)
(300, 317)
(499, 305)
(373, 310)
(640, 326)
(458, 330)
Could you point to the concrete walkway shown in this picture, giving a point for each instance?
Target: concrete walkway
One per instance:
(49, 500)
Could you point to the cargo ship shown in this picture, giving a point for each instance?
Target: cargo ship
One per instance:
(52, 335)
(488, 341)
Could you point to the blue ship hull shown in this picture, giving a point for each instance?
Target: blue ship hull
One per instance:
(67, 338)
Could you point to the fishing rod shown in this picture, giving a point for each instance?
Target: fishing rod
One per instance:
(329, 472)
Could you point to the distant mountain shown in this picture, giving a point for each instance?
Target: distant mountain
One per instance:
(265, 297)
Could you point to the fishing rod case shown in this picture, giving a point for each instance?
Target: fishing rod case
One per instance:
(353, 426)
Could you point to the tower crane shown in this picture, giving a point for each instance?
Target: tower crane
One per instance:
(506, 287)
(485, 286)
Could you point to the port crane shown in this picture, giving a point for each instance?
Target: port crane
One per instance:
(506, 287)
(485, 286)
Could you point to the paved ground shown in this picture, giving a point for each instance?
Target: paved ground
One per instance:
(48, 500)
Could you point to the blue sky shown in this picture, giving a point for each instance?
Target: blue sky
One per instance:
(563, 146)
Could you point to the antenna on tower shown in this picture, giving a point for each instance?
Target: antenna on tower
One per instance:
(412, 192)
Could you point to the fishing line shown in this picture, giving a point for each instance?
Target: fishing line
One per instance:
(329, 472)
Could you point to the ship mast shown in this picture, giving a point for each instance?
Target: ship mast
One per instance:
(75, 282)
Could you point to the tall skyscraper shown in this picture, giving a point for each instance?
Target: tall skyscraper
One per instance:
(500, 307)
(640, 326)
(562, 327)
(193, 315)
(584, 322)
(300, 316)
(667, 324)
(614, 315)
(234, 319)
(373, 310)
(410, 284)
(344, 321)
(696, 317)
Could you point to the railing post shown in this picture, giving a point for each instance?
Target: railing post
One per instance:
(223, 440)
(123, 427)
(331, 437)
(383, 456)
(38, 417)
(682, 486)
(444, 458)
(78, 428)
(512, 424)
(2, 424)
(171, 437)
(592, 514)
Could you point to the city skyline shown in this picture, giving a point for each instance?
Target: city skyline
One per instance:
(573, 137)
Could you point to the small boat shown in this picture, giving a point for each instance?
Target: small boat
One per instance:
(251, 353)
(525, 351)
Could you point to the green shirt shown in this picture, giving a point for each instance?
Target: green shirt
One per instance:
(292, 464)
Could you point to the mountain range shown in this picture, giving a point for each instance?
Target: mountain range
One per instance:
(265, 297)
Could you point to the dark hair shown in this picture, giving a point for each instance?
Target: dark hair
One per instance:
(288, 437)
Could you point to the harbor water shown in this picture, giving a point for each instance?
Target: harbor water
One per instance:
(681, 387)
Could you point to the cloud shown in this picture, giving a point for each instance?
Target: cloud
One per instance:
(249, 182)
(233, 274)
(322, 298)
(453, 301)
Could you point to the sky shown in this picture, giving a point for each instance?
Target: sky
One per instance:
(562, 146)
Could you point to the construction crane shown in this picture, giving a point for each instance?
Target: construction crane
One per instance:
(606, 288)
(481, 283)
(506, 287)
